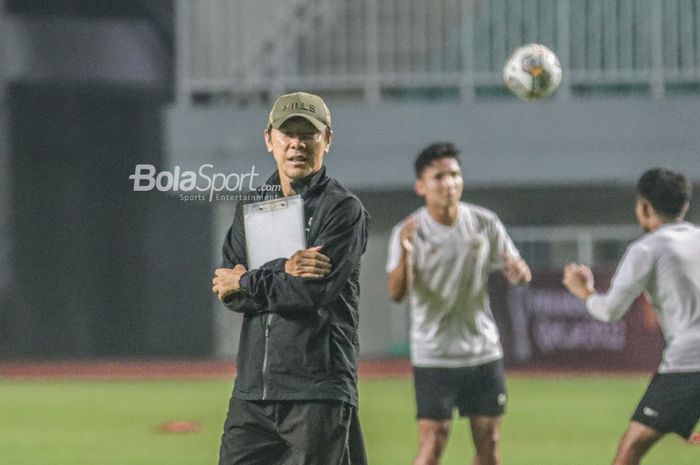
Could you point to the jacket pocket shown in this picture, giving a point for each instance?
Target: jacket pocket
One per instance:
(300, 348)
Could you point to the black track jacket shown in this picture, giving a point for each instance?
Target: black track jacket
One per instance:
(299, 335)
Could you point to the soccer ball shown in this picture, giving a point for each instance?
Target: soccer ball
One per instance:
(532, 72)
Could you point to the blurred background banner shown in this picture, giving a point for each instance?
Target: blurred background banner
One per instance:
(91, 267)
(545, 327)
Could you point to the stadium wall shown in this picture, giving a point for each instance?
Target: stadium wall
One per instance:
(505, 143)
(126, 274)
(544, 164)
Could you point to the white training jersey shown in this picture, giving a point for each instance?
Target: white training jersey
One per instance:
(665, 264)
(451, 320)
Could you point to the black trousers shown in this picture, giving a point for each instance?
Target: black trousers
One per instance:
(323, 432)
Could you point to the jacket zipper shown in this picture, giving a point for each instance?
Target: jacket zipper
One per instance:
(268, 322)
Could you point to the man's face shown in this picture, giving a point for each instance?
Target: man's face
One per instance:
(441, 183)
(298, 147)
(642, 211)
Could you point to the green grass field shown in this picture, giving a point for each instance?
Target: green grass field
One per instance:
(568, 420)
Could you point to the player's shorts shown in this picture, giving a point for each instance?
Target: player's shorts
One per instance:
(671, 403)
(474, 391)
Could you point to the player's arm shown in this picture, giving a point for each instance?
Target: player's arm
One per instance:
(343, 239)
(516, 271)
(505, 256)
(630, 280)
(400, 278)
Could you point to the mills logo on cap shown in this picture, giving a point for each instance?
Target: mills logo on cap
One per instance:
(308, 106)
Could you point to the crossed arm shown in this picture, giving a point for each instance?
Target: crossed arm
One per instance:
(303, 281)
(305, 263)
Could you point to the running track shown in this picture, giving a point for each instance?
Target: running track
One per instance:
(186, 369)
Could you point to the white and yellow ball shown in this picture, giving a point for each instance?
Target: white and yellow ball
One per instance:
(532, 72)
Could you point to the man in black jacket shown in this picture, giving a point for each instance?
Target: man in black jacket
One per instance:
(295, 396)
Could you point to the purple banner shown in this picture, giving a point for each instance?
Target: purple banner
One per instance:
(544, 326)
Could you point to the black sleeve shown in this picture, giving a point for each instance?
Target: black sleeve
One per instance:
(343, 236)
(233, 253)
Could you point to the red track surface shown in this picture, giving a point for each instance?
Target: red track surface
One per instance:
(130, 369)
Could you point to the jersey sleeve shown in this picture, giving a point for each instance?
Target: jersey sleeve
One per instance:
(630, 279)
(394, 255)
(501, 245)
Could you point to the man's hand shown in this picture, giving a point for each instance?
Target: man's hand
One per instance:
(226, 281)
(516, 271)
(408, 235)
(308, 263)
(401, 277)
(578, 279)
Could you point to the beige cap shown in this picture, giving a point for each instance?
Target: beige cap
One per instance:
(308, 106)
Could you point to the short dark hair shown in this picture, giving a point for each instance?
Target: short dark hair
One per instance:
(667, 191)
(434, 152)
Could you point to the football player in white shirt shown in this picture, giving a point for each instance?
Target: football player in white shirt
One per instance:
(441, 256)
(665, 265)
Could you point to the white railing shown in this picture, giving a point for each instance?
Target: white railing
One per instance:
(551, 247)
(375, 47)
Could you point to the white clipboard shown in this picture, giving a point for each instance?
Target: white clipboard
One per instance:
(273, 229)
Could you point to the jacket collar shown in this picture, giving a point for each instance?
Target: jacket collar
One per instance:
(303, 187)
